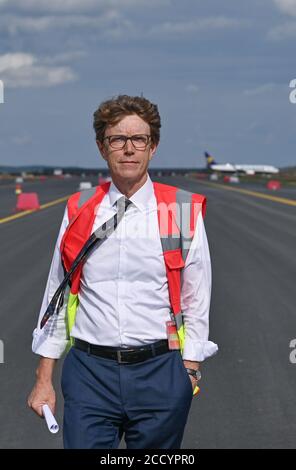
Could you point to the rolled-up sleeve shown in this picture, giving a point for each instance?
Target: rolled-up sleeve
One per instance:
(196, 298)
(51, 340)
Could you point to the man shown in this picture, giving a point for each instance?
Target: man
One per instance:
(136, 304)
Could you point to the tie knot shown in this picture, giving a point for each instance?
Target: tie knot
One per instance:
(127, 202)
(123, 203)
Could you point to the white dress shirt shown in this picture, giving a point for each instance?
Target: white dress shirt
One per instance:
(123, 297)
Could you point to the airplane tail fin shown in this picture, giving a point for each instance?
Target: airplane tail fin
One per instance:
(210, 160)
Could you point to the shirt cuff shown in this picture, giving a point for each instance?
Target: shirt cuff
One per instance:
(198, 350)
(47, 346)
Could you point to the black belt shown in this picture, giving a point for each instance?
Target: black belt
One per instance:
(126, 355)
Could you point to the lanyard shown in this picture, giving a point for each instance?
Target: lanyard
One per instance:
(96, 238)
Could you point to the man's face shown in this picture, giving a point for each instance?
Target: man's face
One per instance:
(128, 163)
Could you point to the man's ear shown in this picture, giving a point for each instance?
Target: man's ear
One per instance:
(152, 151)
(101, 148)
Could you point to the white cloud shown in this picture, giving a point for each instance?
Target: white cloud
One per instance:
(283, 31)
(191, 88)
(197, 25)
(21, 140)
(63, 57)
(38, 76)
(15, 61)
(25, 70)
(112, 24)
(73, 6)
(267, 87)
(110, 19)
(286, 6)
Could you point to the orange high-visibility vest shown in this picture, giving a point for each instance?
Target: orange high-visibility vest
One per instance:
(177, 215)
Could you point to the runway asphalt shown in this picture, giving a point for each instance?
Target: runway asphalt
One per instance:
(247, 397)
(47, 190)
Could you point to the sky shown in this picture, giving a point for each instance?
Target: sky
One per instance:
(218, 70)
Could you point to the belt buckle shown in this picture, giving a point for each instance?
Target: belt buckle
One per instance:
(119, 358)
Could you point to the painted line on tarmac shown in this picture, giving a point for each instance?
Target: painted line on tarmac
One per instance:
(43, 206)
(281, 200)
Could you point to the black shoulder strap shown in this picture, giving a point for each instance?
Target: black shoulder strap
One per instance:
(96, 238)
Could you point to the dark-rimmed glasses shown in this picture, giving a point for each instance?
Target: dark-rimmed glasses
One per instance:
(139, 141)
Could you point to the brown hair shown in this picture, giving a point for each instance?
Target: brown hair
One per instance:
(110, 112)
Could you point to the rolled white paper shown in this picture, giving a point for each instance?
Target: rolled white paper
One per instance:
(50, 419)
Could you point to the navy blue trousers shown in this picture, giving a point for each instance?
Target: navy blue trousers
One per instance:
(147, 402)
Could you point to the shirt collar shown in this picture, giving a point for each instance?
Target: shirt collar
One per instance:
(140, 198)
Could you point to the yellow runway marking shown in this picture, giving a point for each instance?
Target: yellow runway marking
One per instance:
(281, 200)
(43, 206)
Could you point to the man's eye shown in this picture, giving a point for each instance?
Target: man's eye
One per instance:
(117, 139)
(139, 138)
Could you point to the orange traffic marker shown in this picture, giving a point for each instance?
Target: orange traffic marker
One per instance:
(27, 201)
(274, 185)
(18, 189)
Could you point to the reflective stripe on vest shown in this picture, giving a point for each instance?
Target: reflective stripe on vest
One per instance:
(177, 212)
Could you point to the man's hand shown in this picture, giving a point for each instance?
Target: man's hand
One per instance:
(192, 365)
(43, 391)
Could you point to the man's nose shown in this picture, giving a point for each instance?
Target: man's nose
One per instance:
(129, 148)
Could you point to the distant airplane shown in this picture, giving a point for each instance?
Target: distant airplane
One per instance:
(237, 168)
